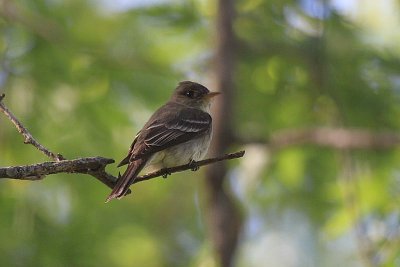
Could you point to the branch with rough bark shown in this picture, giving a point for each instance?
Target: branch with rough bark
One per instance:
(189, 166)
(93, 166)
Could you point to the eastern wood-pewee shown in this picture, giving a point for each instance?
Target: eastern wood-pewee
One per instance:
(177, 133)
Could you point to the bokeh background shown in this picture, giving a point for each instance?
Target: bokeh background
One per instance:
(313, 90)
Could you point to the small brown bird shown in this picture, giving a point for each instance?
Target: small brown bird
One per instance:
(177, 133)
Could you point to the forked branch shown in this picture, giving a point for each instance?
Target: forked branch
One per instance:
(95, 167)
(28, 138)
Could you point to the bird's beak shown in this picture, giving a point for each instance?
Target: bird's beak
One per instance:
(211, 95)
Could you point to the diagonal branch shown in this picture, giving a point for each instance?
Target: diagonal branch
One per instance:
(28, 138)
(95, 167)
(190, 166)
(38, 171)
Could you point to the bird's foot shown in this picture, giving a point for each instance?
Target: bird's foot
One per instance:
(193, 165)
(166, 173)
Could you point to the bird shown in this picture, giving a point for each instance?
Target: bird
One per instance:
(178, 133)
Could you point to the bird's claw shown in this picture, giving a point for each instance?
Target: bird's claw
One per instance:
(166, 173)
(193, 165)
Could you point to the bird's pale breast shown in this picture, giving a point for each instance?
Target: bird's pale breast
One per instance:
(195, 149)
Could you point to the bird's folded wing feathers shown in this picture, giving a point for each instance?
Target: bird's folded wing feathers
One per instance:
(126, 159)
(181, 127)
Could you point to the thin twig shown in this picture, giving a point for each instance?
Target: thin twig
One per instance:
(45, 168)
(167, 171)
(28, 138)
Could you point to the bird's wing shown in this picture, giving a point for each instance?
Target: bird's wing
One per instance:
(172, 127)
(170, 130)
(126, 159)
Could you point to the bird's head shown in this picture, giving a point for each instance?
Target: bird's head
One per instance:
(193, 95)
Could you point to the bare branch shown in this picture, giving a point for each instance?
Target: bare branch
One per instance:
(167, 171)
(95, 166)
(38, 171)
(28, 138)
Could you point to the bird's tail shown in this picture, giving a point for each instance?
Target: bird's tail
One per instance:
(126, 179)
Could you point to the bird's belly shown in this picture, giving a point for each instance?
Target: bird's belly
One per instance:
(183, 153)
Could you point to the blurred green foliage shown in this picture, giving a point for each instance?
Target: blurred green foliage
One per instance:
(84, 76)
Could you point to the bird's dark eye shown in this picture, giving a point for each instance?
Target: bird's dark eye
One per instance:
(189, 93)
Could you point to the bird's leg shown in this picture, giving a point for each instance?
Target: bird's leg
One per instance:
(166, 173)
(193, 165)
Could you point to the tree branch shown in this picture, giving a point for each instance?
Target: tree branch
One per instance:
(94, 166)
(335, 138)
(38, 171)
(28, 138)
(180, 168)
